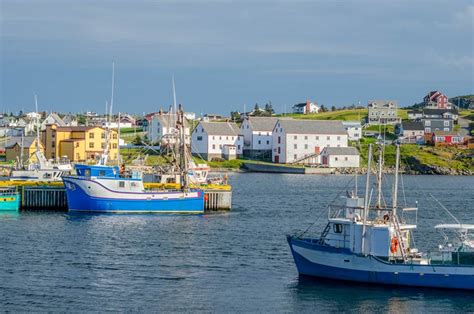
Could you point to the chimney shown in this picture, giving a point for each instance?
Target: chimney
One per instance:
(308, 106)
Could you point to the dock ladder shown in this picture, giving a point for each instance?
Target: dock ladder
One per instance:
(403, 247)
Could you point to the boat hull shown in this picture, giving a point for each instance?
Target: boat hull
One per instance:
(85, 195)
(10, 202)
(316, 260)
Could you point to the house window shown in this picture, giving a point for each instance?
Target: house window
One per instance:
(77, 156)
(213, 146)
(268, 133)
(53, 144)
(328, 138)
(114, 136)
(317, 138)
(114, 145)
(213, 137)
(102, 135)
(427, 130)
(279, 151)
(446, 123)
(446, 129)
(226, 137)
(91, 135)
(232, 138)
(102, 145)
(427, 123)
(295, 146)
(121, 184)
(91, 144)
(238, 147)
(336, 159)
(337, 228)
(346, 159)
(220, 137)
(268, 142)
(306, 137)
(259, 142)
(338, 138)
(295, 137)
(295, 156)
(305, 146)
(199, 138)
(220, 146)
(279, 140)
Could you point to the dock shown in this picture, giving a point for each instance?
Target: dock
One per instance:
(52, 195)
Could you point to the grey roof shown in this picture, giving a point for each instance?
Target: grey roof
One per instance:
(379, 103)
(294, 126)
(341, 151)
(262, 123)
(27, 141)
(351, 123)
(220, 128)
(56, 118)
(412, 125)
(439, 111)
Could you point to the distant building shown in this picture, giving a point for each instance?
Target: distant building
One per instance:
(441, 114)
(439, 138)
(190, 115)
(354, 130)
(217, 140)
(410, 132)
(415, 114)
(258, 138)
(301, 141)
(14, 145)
(340, 157)
(52, 118)
(212, 117)
(437, 124)
(70, 120)
(436, 99)
(162, 128)
(383, 112)
(307, 107)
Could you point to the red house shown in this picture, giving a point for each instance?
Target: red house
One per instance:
(437, 99)
(446, 138)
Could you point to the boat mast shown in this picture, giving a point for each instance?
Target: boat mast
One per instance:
(108, 114)
(118, 140)
(395, 187)
(366, 200)
(182, 153)
(37, 127)
(22, 157)
(379, 175)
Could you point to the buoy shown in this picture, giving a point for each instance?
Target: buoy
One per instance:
(394, 245)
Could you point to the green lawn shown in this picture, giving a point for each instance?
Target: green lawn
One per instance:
(344, 115)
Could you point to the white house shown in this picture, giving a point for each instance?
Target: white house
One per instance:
(307, 107)
(302, 141)
(214, 139)
(52, 118)
(163, 128)
(190, 115)
(354, 130)
(340, 157)
(258, 137)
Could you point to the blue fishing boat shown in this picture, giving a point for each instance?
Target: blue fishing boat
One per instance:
(102, 188)
(9, 200)
(374, 244)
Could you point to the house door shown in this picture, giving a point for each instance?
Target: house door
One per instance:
(325, 160)
(277, 159)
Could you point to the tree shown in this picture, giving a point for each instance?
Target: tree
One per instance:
(333, 108)
(256, 108)
(323, 108)
(137, 140)
(235, 116)
(269, 108)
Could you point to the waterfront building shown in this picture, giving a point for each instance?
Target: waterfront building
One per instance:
(13, 148)
(258, 136)
(306, 107)
(414, 114)
(296, 141)
(340, 157)
(217, 140)
(383, 112)
(437, 124)
(354, 130)
(163, 127)
(70, 120)
(80, 143)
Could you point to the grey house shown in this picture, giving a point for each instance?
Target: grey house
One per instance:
(437, 124)
(383, 112)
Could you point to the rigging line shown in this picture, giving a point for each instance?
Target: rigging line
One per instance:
(447, 210)
(326, 207)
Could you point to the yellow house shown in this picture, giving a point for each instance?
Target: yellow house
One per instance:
(13, 149)
(79, 143)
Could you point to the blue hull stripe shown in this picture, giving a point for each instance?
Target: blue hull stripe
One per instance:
(306, 267)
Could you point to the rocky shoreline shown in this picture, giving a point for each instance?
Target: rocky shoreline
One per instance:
(418, 169)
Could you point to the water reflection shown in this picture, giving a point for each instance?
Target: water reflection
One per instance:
(9, 215)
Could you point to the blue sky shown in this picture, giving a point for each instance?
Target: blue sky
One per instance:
(225, 54)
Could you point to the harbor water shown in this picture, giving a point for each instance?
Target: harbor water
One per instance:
(232, 261)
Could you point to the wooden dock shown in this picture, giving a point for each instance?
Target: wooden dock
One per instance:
(54, 197)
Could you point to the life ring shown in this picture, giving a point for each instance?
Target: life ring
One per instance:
(394, 245)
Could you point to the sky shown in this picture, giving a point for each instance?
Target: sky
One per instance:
(228, 55)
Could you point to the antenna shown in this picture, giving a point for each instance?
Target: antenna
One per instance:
(174, 95)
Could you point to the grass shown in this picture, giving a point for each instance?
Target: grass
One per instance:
(130, 130)
(344, 115)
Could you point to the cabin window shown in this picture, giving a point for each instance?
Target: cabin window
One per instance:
(337, 228)
(122, 184)
(199, 138)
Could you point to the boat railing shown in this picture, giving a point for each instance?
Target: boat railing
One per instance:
(7, 191)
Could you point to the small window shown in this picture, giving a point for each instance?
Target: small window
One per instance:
(121, 184)
(338, 138)
(279, 151)
(306, 137)
(213, 146)
(114, 145)
(295, 137)
(305, 146)
(199, 138)
(91, 135)
(337, 228)
(295, 146)
(346, 159)
(91, 145)
(295, 156)
(259, 142)
(317, 138)
(268, 142)
(114, 136)
(328, 138)
(238, 147)
(336, 159)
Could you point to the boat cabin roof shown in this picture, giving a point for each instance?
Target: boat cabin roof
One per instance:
(97, 171)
